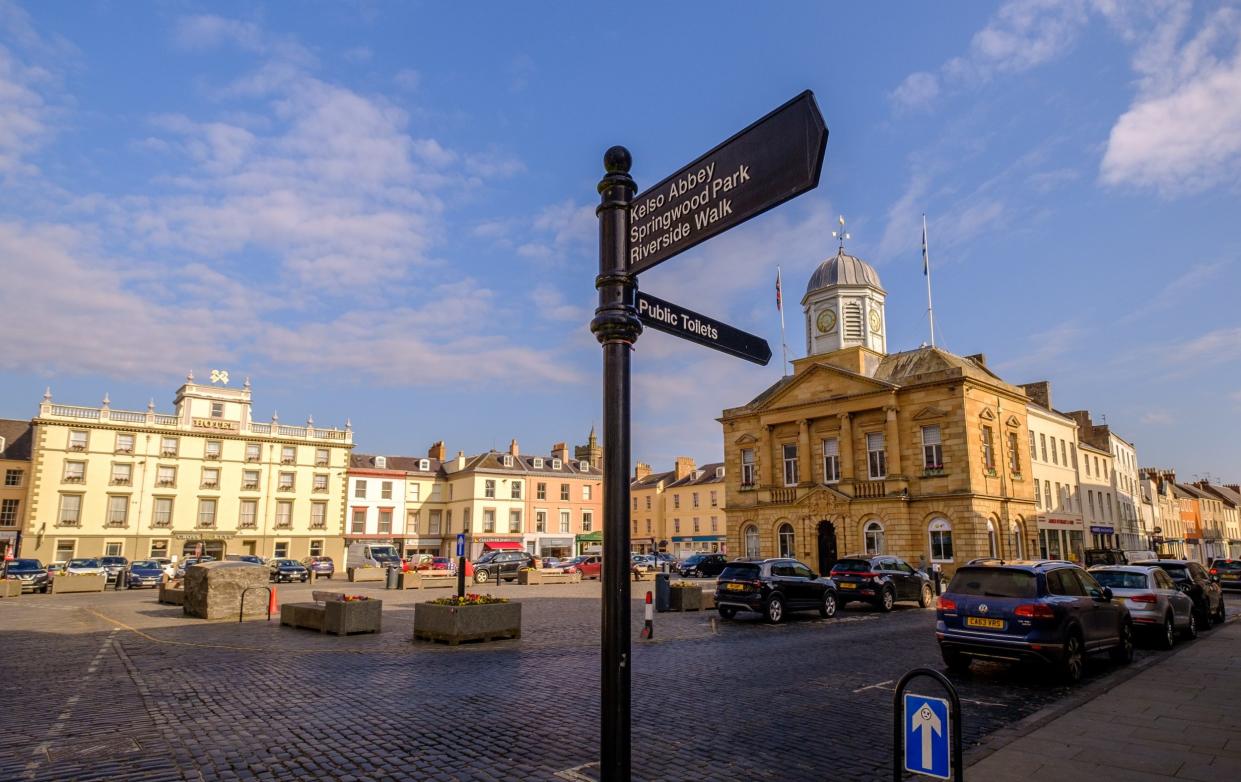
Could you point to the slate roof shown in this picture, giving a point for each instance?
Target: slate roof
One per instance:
(703, 475)
(1226, 494)
(366, 461)
(17, 438)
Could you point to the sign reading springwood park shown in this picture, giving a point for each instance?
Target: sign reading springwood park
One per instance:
(676, 320)
(778, 157)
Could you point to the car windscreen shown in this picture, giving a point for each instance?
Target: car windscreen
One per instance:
(1119, 579)
(145, 564)
(19, 565)
(1178, 572)
(84, 563)
(741, 571)
(1232, 566)
(113, 560)
(994, 582)
(851, 566)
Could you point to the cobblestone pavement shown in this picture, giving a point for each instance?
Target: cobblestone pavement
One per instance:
(115, 686)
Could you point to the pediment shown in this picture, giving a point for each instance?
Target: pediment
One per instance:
(986, 414)
(927, 413)
(824, 500)
(745, 439)
(1013, 421)
(819, 383)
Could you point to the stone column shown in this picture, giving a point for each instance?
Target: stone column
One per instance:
(893, 437)
(765, 471)
(846, 448)
(805, 453)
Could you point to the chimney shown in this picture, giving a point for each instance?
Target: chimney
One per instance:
(560, 451)
(684, 466)
(1039, 393)
(1235, 487)
(460, 460)
(978, 358)
(512, 448)
(437, 451)
(641, 471)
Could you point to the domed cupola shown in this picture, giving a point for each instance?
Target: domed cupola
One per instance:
(844, 304)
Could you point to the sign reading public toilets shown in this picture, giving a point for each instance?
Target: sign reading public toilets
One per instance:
(667, 317)
(927, 740)
(778, 157)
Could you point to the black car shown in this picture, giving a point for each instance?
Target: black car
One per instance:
(702, 565)
(114, 565)
(773, 587)
(881, 581)
(31, 573)
(501, 565)
(1202, 587)
(288, 570)
(1229, 572)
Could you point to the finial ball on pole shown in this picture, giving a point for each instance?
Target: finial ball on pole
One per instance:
(617, 160)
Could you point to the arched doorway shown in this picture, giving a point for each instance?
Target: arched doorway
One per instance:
(827, 547)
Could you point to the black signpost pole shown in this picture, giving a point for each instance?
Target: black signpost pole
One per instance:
(617, 327)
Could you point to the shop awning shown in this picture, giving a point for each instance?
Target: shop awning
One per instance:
(503, 545)
(591, 537)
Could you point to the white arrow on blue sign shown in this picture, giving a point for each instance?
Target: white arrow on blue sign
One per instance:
(461, 544)
(927, 736)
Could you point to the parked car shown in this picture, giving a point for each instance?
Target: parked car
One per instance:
(289, 570)
(362, 554)
(1157, 607)
(568, 565)
(322, 567)
(590, 566)
(113, 565)
(1104, 556)
(443, 563)
(702, 565)
(1203, 588)
(1049, 611)
(169, 568)
(56, 567)
(881, 581)
(31, 573)
(189, 562)
(85, 565)
(1229, 572)
(501, 565)
(773, 587)
(144, 572)
(252, 559)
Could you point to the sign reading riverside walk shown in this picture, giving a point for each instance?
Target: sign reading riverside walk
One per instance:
(671, 319)
(773, 160)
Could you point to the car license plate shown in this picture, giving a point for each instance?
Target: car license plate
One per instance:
(1231, 577)
(982, 621)
(847, 585)
(737, 587)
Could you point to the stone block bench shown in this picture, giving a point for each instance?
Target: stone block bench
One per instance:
(10, 587)
(551, 576)
(421, 579)
(367, 574)
(334, 614)
(172, 593)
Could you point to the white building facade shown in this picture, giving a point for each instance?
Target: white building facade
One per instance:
(1057, 492)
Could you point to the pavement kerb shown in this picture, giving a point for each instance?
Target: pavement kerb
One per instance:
(1001, 738)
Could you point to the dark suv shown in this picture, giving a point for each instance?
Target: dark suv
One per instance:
(772, 587)
(1202, 587)
(501, 565)
(1050, 611)
(699, 565)
(1229, 572)
(881, 581)
(31, 573)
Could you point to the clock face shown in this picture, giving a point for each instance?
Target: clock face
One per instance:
(876, 322)
(826, 321)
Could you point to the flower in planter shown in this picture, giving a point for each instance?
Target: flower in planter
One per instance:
(470, 599)
(354, 598)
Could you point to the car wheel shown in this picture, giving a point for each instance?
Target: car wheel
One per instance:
(481, 576)
(1122, 652)
(1219, 615)
(1204, 618)
(924, 599)
(828, 609)
(1073, 663)
(45, 590)
(1168, 638)
(1191, 632)
(886, 600)
(727, 612)
(775, 609)
(956, 662)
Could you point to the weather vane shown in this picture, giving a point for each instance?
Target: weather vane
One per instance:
(841, 235)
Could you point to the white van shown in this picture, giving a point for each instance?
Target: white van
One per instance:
(377, 554)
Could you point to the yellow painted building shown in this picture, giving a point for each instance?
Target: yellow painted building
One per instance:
(14, 481)
(921, 454)
(680, 511)
(206, 477)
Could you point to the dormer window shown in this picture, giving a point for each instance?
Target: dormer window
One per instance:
(538, 463)
(556, 464)
(424, 464)
(719, 472)
(381, 462)
(507, 460)
(584, 465)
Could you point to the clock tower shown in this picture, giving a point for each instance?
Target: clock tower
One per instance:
(844, 306)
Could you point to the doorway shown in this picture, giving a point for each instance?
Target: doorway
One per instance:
(210, 548)
(827, 547)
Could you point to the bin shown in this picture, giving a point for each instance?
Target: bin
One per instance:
(394, 575)
(663, 592)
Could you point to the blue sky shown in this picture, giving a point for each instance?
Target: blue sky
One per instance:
(384, 211)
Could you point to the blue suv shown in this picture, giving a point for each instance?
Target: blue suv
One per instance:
(1048, 611)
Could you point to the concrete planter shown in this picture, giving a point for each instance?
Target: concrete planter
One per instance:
(172, 593)
(423, 580)
(78, 582)
(454, 624)
(367, 574)
(547, 577)
(685, 598)
(335, 616)
(10, 587)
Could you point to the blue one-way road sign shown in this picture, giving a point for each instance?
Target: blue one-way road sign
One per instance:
(927, 740)
(461, 544)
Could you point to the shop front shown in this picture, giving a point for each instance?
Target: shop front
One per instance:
(480, 546)
(544, 546)
(642, 545)
(1062, 538)
(1102, 537)
(684, 545)
(589, 540)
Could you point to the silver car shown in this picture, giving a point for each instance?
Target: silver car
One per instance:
(86, 566)
(1154, 602)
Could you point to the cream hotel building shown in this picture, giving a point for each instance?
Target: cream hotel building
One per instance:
(206, 477)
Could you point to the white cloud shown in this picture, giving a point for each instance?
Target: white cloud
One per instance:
(1175, 292)
(564, 233)
(407, 79)
(1214, 347)
(1044, 354)
(918, 91)
(23, 114)
(549, 303)
(1157, 417)
(358, 55)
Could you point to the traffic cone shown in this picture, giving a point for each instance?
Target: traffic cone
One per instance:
(272, 606)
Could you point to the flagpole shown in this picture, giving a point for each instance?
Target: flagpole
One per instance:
(926, 269)
(784, 368)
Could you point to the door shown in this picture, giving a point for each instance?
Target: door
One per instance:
(807, 590)
(911, 584)
(827, 546)
(1106, 614)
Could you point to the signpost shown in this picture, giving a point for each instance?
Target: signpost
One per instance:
(926, 731)
(460, 564)
(778, 157)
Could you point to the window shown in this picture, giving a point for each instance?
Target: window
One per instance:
(587, 492)
(359, 489)
(161, 514)
(564, 521)
(165, 476)
(489, 488)
(715, 502)
(77, 441)
(250, 480)
(584, 466)
(1047, 495)
(280, 549)
(75, 472)
(676, 526)
(385, 521)
(556, 464)
(506, 460)
(1016, 542)
(789, 452)
(932, 448)
(1042, 440)
(1054, 458)
(635, 503)
(1064, 458)
(122, 474)
(111, 549)
(750, 535)
(1038, 496)
(168, 446)
(8, 512)
(436, 518)
(252, 452)
(988, 448)
(515, 490)
(217, 409)
(876, 456)
(413, 492)
(465, 521)
(316, 548)
(319, 483)
(540, 521)
(321, 457)
(1059, 496)
(676, 501)
(540, 491)
(1097, 471)
(288, 454)
(65, 549)
(514, 520)
(537, 462)
(124, 443)
(648, 502)
(715, 524)
(211, 450)
(1032, 451)
(1090, 499)
(747, 466)
(831, 460)
(941, 540)
(358, 523)
(248, 518)
(1073, 453)
(1014, 456)
(159, 548)
(992, 546)
(489, 520)
(697, 529)
(206, 513)
(211, 478)
(694, 499)
(873, 533)
(648, 526)
(564, 492)
(13, 477)
(786, 541)
(286, 481)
